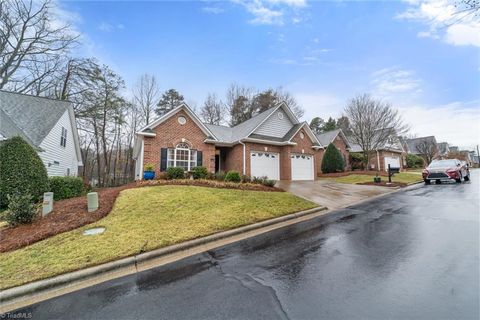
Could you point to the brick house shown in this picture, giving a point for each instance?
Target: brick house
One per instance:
(340, 141)
(391, 153)
(273, 143)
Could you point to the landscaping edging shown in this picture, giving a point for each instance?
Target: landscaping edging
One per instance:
(131, 262)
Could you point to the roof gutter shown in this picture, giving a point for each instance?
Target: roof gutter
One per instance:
(147, 134)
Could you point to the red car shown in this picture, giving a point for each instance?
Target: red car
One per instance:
(446, 170)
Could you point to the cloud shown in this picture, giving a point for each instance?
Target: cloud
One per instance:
(272, 12)
(454, 24)
(457, 123)
(108, 27)
(213, 10)
(392, 81)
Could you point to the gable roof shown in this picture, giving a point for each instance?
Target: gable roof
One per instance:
(147, 130)
(328, 137)
(413, 143)
(30, 117)
(395, 146)
(443, 147)
(244, 130)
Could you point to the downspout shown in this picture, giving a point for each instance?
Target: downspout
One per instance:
(378, 161)
(244, 157)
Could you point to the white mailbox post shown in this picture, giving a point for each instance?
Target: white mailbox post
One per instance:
(47, 206)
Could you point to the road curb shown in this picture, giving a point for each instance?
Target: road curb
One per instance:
(78, 276)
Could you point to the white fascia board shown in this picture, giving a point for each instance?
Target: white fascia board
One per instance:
(275, 143)
(310, 133)
(172, 112)
(73, 123)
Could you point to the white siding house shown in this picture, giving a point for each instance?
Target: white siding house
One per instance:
(59, 155)
(46, 124)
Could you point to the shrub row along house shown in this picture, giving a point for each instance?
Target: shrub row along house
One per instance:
(48, 125)
(273, 143)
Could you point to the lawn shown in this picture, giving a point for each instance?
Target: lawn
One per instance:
(362, 178)
(144, 219)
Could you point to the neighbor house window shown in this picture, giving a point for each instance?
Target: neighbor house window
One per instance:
(63, 138)
(182, 156)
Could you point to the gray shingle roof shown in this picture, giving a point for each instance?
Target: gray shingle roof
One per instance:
(30, 117)
(326, 138)
(240, 131)
(412, 143)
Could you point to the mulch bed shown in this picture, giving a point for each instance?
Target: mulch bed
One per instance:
(347, 173)
(72, 213)
(210, 184)
(385, 184)
(68, 214)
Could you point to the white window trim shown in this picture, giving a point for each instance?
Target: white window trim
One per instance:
(189, 161)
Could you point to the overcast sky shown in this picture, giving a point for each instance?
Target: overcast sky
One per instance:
(422, 57)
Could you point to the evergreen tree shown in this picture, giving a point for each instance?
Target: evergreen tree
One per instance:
(169, 100)
(332, 160)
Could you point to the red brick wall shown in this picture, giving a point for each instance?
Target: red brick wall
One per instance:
(305, 145)
(170, 133)
(382, 154)
(234, 156)
(340, 144)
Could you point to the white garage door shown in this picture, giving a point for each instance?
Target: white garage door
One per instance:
(265, 164)
(302, 167)
(393, 161)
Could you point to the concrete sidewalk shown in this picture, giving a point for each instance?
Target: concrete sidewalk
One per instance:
(332, 194)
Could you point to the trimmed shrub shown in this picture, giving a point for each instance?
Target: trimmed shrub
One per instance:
(220, 176)
(21, 169)
(332, 160)
(66, 187)
(233, 176)
(246, 179)
(175, 173)
(199, 173)
(258, 180)
(414, 161)
(21, 209)
(356, 160)
(269, 183)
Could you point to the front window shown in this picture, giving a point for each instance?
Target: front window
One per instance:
(182, 156)
(63, 137)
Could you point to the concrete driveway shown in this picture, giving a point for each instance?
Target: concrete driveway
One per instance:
(330, 193)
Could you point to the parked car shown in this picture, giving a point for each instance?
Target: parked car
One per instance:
(446, 170)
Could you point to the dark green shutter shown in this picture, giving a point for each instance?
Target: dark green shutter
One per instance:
(163, 159)
(199, 158)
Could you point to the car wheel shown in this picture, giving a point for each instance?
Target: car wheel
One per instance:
(467, 177)
(426, 181)
(459, 180)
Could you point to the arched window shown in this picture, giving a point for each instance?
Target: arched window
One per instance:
(182, 156)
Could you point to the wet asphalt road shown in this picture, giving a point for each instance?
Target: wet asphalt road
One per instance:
(410, 255)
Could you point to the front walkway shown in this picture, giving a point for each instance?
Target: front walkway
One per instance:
(332, 194)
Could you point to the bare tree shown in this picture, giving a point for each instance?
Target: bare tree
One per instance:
(213, 110)
(146, 94)
(31, 43)
(373, 123)
(427, 149)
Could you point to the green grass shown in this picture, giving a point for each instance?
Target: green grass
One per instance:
(361, 178)
(145, 219)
